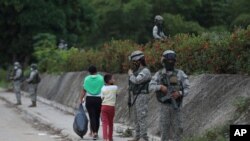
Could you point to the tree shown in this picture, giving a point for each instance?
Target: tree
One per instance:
(137, 18)
(212, 13)
(23, 19)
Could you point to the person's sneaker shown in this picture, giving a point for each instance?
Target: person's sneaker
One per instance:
(141, 139)
(95, 137)
(91, 134)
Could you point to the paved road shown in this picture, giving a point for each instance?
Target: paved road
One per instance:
(59, 122)
(13, 127)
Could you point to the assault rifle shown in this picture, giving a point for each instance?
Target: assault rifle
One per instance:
(169, 97)
(10, 73)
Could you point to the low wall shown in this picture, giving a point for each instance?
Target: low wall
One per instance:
(210, 102)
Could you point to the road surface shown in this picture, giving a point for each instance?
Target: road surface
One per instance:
(14, 127)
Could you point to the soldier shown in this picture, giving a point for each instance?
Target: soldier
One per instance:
(17, 80)
(170, 85)
(158, 33)
(33, 81)
(139, 78)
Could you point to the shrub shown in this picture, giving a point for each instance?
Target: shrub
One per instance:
(3, 78)
(176, 24)
(219, 133)
(243, 20)
(242, 104)
(211, 52)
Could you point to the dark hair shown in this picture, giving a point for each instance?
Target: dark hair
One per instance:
(92, 69)
(107, 77)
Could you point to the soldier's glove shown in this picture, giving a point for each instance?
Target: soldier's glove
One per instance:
(176, 95)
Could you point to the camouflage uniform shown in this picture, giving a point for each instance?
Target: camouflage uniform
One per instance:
(142, 75)
(170, 118)
(17, 81)
(157, 32)
(33, 86)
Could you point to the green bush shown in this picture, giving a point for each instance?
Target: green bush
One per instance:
(112, 57)
(176, 24)
(242, 104)
(243, 20)
(220, 133)
(209, 52)
(3, 78)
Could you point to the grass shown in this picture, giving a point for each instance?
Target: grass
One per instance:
(220, 133)
(242, 104)
(4, 83)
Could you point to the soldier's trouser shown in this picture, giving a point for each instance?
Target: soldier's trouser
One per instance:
(17, 90)
(170, 122)
(140, 112)
(32, 91)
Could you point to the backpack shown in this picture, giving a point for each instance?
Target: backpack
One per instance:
(22, 78)
(38, 78)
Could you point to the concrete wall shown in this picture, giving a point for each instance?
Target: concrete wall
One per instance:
(209, 103)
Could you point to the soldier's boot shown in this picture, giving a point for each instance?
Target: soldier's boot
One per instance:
(18, 103)
(134, 139)
(33, 104)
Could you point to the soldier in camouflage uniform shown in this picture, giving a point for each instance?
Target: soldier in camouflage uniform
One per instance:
(176, 88)
(33, 81)
(139, 78)
(158, 33)
(17, 80)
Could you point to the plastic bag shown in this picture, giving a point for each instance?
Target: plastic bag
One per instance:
(80, 124)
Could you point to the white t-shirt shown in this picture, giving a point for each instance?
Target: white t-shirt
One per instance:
(108, 94)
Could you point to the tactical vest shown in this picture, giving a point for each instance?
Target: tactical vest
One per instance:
(173, 84)
(139, 88)
(21, 77)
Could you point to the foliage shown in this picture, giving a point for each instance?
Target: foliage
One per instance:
(179, 25)
(49, 57)
(3, 78)
(242, 104)
(242, 21)
(219, 133)
(91, 23)
(209, 52)
(113, 57)
(21, 20)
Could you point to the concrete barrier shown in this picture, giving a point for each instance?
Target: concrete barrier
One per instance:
(210, 102)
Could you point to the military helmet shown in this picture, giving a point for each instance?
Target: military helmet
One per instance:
(158, 18)
(17, 64)
(34, 66)
(169, 55)
(136, 55)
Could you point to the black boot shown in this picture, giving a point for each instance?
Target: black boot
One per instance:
(33, 104)
(18, 103)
